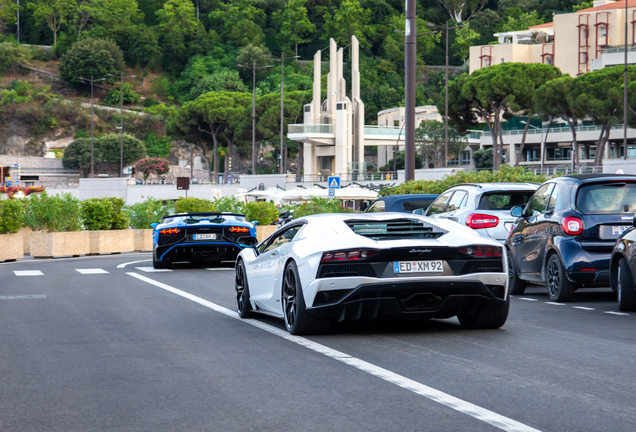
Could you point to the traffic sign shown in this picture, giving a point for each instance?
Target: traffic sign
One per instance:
(332, 192)
(334, 182)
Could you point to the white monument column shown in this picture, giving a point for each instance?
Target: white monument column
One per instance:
(358, 105)
(316, 102)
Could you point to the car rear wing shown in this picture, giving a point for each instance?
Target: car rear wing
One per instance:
(204, 214)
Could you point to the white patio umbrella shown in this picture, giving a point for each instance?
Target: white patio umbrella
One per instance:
(355, 192)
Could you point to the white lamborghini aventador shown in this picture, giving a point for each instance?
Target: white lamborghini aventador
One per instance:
(322, 269)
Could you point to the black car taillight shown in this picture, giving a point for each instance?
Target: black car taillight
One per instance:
(350, 255)
(572, 225)
(482, 251)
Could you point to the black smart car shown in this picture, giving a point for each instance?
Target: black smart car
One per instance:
(564, 236)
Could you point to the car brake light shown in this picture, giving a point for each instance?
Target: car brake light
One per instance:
(477, 221)
(352, 255)
(572, 225)
(482, 251)
(169, 231)
(239, 229)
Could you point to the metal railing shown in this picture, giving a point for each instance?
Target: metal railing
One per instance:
(374, 176)
(310, 128)
(553, 130)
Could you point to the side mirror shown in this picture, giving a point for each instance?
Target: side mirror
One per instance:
(418, 211)
(154, 224)
(517, 211)
(254, 222)
(248, 241)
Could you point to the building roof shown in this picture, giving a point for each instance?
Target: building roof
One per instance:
(550, 24)
(615, 5)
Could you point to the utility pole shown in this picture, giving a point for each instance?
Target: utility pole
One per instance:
(92, 81)
(447, 28)
(283, 155)
(625, 92)
(18, 22)
(254, 68)
(121, 112)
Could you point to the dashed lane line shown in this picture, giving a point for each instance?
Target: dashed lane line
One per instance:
(33, 296)
(28, 273)
(123, 265)
(555, 303)
(91, 271)
(527, 299)
(616, 313)
(475, 411)
(583, 308)
(220, 269)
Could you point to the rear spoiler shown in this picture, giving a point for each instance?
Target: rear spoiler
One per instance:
(204, 214)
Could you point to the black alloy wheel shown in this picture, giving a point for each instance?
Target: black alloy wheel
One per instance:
(625, 288)
(560, 289)
(516, 286)
(297, 320)
(243, 305)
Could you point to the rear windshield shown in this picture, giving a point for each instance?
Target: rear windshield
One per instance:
(409, 206)
(395, 229)
(607, 198)
(504, 200)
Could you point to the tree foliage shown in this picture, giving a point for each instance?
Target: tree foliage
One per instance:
(106, 149)
(91, 58)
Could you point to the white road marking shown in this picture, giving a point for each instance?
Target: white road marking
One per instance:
(617, 313)
(132, 262)
(152, 269)
(28, 273)
(220, 269)
(584, 308)
(442, 398)
(91, 271)
(33, 296)
(555, 303)
(527, 299)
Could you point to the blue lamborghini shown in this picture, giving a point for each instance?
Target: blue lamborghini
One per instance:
(201, 238)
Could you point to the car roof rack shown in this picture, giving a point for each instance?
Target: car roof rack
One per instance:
(204, 214)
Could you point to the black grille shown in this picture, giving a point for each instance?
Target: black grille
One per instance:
(496, 290)
(327, 297)
(482, 266)
(395, 229)
(340, 270)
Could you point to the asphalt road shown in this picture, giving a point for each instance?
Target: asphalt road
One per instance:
(130, 350)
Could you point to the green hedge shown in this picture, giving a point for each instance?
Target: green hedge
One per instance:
(263, 212)
(104, 214)
(53, 213)
(319, 205)
(144, 213)
(11, 215)
(505, 174)
(194, 205)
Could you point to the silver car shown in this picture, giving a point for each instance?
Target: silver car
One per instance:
(484, 207)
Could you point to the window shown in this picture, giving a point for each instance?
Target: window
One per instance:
(548, 60)
(453, 161)
(457, 201)
(554, 198)
(503, 60)
(503, 200)
(487, 62)
(376, 207)
(282, 238)
(631, 152)
(539, 201)
(409, 206)
(607, 198)
(439, 204)
(603, 32)
(465, 158)
(592, 152)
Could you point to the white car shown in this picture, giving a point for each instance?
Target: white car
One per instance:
(323, 269)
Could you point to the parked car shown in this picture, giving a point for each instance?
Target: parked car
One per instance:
(406, 203)
(623, 268)
(201, 238)
(564, 236)
(322, 269)
(484, 207)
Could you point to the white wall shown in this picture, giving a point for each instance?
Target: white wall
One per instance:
(429, 174)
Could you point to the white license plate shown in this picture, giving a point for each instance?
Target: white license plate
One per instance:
(418, 266)
(618, 230)
(205, 236)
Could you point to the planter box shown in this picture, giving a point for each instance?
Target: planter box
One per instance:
(143, 240)
(26, 235)
(56, 244)
(115, 241)
(12, 247)
(263, 231)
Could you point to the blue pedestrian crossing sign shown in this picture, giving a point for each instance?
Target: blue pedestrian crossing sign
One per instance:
(334, 182)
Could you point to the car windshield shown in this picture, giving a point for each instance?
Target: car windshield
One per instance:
(607, 198)
(504, 200)
(409, 206)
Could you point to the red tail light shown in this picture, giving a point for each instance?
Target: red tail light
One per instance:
(476, 221)
(482, 251)
(352, 255)
(239, 229)
(169, 231)
(572, 225)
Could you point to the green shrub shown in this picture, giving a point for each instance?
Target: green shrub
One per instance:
(230, 204)
(104, 214)
(144, 213)
(106, 148)
(11, 215)
(148, 102)
(319, 205)
(131, 97)
(91, 57)
(263, 212)
(194, 205)
(12, 56)
(53, 213)
(504, 174)
(158, 146)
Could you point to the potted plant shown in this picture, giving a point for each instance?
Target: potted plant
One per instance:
(264, 213)
(141, 216)
(11, 216)
(107, 225)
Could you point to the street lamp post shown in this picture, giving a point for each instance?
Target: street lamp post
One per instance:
(282, 59)
(542, 148)
(625, 93)
(18, 22)
(254, 69)
(447, 28)
(92, 81)
(121, 113)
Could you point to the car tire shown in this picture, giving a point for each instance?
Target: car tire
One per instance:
(297, 320)
(516, 286)
(560, 289)
(491, 319)
(158, 264)
(242, 290)
(625, 288)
